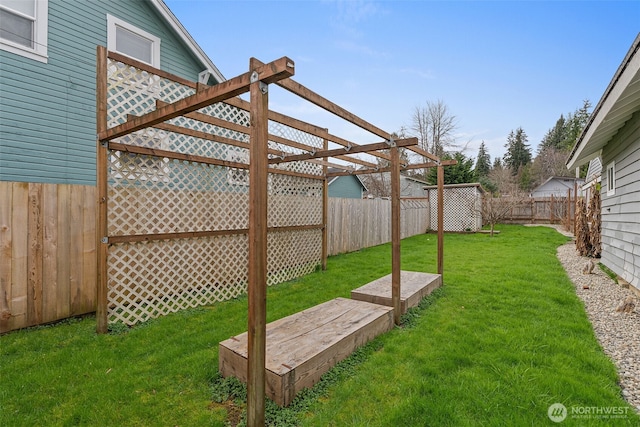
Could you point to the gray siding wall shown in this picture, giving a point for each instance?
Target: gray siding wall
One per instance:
(47, 111)
(621, 212)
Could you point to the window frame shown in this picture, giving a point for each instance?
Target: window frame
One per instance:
(40, 33)
(112, 27)
(611, 178)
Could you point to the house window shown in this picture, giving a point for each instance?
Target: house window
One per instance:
(141, 167)
(133, 42)
(23, 28)
(611, 179)
(237, 176)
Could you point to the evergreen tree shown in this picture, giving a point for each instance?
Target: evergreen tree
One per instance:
(460, 173)
(497, 163)
(518, 152)
(575, 124)
(483, 162)
(556, 136)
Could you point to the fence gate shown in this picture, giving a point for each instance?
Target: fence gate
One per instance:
(177, 200)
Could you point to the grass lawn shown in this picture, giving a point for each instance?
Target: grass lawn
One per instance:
(503, 339)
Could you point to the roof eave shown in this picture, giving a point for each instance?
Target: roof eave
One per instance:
(175, 24)
(591, 141)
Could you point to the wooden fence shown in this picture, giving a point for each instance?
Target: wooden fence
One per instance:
(552, 210)
(47, 253)
(48, 243)
(360, 223)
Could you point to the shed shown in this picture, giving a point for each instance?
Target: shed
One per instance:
(558, 186)
(613, 133)
(462, 206)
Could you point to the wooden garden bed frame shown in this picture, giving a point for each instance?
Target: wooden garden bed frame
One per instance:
(256, 81)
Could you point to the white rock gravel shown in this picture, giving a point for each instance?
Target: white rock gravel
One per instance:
(618, 333)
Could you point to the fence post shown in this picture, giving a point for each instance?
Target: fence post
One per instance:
(551, 210)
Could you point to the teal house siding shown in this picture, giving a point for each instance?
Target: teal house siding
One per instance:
(348, 186)
(47, 110)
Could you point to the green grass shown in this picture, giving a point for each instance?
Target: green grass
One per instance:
(505, 338)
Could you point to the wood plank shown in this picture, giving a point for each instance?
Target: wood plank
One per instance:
(75, 252)
(34, 255)
(88, 285)
(305, 345)
(6, 201)
(19, 251)
(341, 151)
(50, 252)
(63, 308)
(268, 73)
(415, 286)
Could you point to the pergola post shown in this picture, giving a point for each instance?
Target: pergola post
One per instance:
(440, 219)
(257, 287)
(395, 233)
(325, 207)
(102, 246)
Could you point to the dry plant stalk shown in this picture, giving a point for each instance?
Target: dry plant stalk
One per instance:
(594, 217)
(583, 238)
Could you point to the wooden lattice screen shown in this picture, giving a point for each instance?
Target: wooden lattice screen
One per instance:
(177, 227)
(462, 208)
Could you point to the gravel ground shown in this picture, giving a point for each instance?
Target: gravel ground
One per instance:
(617, 332)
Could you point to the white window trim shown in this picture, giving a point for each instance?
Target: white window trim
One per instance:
(611, 179)
(40, 36)
(113, 22)
(238, 176)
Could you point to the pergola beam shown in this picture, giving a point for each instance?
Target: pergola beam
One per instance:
(267, 73)
(388, 169)
(353, 150)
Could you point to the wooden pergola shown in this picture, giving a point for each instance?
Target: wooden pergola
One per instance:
(262, 161)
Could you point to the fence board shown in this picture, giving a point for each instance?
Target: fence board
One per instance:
(47, 247)
(354, 224)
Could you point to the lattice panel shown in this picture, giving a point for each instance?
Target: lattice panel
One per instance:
(149, 279)
(155, 195)
(462, 207)
(292, 254)
(294, 201)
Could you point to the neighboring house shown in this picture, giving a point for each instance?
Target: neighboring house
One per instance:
(346, 186)
(558, 186)
(48, 77)
(613, 134)
(462, 206)
(48, 140)
(379, 185)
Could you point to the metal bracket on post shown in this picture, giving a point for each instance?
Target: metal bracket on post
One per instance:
(104, 240)
(103, 144)
(254, 77)
(264, 88)
(391, 142)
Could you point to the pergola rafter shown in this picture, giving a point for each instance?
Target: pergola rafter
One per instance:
(257, 82)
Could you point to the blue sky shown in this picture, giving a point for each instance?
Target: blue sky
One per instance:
(497, 65)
